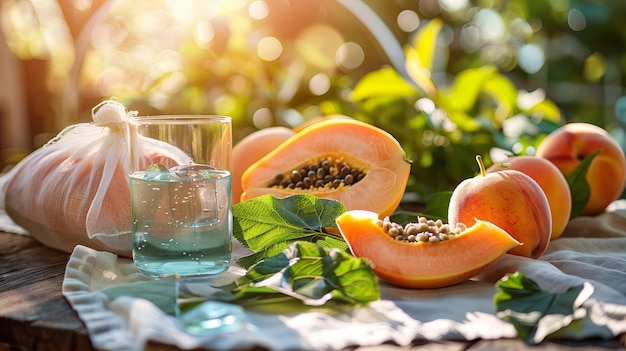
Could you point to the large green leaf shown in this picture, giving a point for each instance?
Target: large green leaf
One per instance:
(536, 313)
(268, 225)
(310, 273)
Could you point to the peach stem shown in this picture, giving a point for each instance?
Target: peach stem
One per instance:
(479, 159)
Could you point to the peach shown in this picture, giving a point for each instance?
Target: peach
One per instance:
(251, 149)
(551, 181)
(509, 199)
(567, 146)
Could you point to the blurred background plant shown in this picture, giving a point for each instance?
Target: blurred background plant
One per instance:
(448, 78)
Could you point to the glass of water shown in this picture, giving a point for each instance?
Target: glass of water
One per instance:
(180, 187)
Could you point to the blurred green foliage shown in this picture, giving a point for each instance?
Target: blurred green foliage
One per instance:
(442, 128)
(469, 77)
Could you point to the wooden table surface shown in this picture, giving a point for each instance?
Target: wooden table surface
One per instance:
(34, 315)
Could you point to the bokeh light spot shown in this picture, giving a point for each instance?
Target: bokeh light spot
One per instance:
(204, 34)
(82, 5)
(350, 55)
(408, 21)
(531, 58)
(292, 117)
(453, 5)
(576, 20)
(595, 67)
(269, 48)
(258, 10)
(426, 105)
(262, 118)
(470, 38)
(491, 24)
(319, 84)
(225, 104)
(318, 45)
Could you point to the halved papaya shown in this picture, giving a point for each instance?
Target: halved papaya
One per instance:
(253, 148)
(260, 143)
(420, 262)
(358, 164)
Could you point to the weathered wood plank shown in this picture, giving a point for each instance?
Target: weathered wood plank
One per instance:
(34, 315)
(24, 261)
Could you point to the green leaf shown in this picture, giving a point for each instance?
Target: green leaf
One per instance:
(425, 42)
(547, 110)
(385, 82)
(420, 56)
(310, 273)
(536, 313)
(468, 84)
(268, 225)
(579, 186)
(303, 275)
(437, 205)
(504, 94)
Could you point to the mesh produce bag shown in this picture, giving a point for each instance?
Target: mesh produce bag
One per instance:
(74, 190)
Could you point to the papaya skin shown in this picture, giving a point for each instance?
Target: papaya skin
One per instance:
(372, 150)
(251, 149)
(318, 119)
(424, 265)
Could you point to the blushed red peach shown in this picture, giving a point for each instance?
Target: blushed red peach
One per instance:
(551, 181)
(567, 146)
(509, 199)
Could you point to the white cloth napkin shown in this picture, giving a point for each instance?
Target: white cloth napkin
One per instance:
(593, 250)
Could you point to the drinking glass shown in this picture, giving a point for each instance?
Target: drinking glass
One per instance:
(180, 185)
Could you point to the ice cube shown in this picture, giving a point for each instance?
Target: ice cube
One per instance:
(192, 171)
(157, 171)
(194, 201)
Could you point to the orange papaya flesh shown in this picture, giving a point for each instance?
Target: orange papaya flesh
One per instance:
(371, 150)
(424, 264)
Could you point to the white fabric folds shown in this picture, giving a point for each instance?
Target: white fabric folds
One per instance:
(591, 251)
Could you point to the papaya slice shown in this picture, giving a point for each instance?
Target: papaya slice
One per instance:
(420, 263)
(358, 164)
